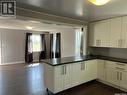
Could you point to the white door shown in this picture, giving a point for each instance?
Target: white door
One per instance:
(113, 76)
(123, 80)
(115, 33)
(91, 70)
(101, 69)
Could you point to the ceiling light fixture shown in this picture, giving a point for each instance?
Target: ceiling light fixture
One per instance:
(99, 2)
(29, 27)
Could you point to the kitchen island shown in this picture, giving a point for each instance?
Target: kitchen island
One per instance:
(64, 73)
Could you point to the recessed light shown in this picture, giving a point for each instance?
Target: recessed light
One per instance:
(29, 27)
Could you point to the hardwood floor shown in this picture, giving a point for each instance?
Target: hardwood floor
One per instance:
(25, 79)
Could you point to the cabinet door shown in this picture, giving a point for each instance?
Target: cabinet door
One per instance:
(123, 78)
(101, 69)
(104, 33)
(83, 72)
(67, 76)
(91, 70)
(124, 32)
(99, 33)
(59, 78)
(115, 33)
(113, 76)
(76, 74)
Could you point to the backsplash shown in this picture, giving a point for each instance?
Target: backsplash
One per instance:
(111, 52)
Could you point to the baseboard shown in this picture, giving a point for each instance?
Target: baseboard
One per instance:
(115, 86)
(10, 63)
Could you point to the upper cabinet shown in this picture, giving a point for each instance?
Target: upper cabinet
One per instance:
(124, 31)
(99, 33)
(116, 33)
(109, 33)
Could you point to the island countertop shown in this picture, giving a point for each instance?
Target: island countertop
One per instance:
(68, 60)
(76, 59)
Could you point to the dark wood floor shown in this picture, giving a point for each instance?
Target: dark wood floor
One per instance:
(24, 79)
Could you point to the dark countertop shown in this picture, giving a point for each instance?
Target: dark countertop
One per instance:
(67, 60)
(75, 59)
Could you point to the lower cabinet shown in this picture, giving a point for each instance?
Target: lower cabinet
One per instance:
(115, 73)
(62, 78)
(113, 76)
(123, 80)
(101, 70)
(59, 78)
(83, 72)
(91, 70)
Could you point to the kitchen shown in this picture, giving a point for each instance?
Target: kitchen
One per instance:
(85, 53)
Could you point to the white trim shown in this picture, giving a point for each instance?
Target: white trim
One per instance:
(10, 63)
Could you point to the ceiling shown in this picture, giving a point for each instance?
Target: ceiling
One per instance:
(77, 9)
(36, 25)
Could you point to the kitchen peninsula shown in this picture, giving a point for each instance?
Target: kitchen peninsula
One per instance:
(64, 73)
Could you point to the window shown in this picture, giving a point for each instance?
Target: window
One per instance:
(36, 40)
(54, 45)
(79, 42)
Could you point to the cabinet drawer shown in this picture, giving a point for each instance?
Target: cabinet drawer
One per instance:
(116, 65)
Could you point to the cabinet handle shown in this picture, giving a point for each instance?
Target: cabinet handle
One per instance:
(62, 70)
(120, 43)
(121, 76)
(82, 66)
(99, 42)
(65, 70)
(117, 75)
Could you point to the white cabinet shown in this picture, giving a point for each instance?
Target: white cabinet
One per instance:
(76, 69)
(116, 32)
(109, 33)
(91, 70)
(99, 33)
(59, 78)
(101, 70)
(123, 79)
(62, 77)
(116, 74)
(124, 32)
(113, 76)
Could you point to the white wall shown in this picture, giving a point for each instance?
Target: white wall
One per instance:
(0, 47)
(67, 42)
(13, 44)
